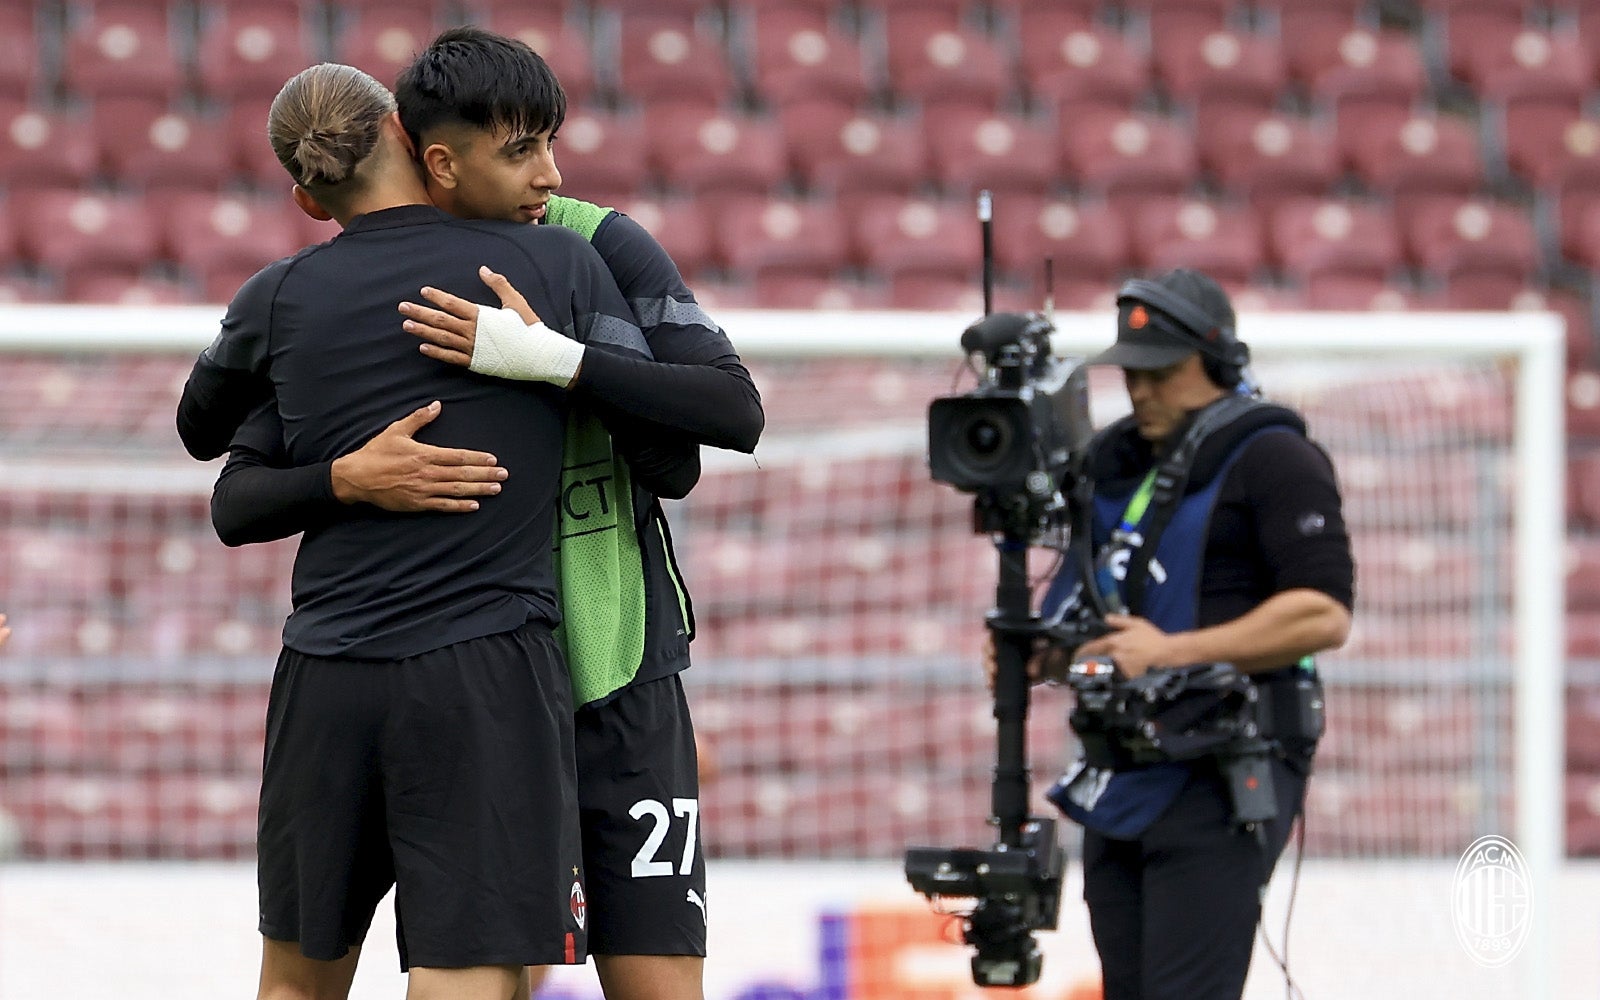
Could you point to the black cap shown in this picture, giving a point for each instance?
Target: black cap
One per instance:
(1149, 337)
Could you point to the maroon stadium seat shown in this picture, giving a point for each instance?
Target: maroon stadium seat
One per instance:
(681, 226)
(74, 232)
(897, 235)
(1075, 64)
(669, 62)
(1221, 67)
(1583, 592)
(695, 150)
(566, 48)
(1310, 36)
(1421, 160)
(1087, 243)
(1335, 237)
(796, 54)
(1225, 241)
(1472, 239)
(122, 49)
(251, 52)
(1521, 64)
(1267, 158)
(938, 62)
(222, 239)
(244, 135)
(799, 291)
(1541, 137)
(1467, 25)
(126, 290)
(603, 157)
(19, 51)
(383, 41)
(971, 150)
(43, 149)
(1127, 159)
(155, 148)
(844, 152)
(1169, 23)
(785, 236)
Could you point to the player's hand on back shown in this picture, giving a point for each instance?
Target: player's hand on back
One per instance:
(509, 342)
(396, 472)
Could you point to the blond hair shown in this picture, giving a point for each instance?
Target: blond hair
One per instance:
(325, 122)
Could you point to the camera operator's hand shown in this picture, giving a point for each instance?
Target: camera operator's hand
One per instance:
(1133, 644)
(1048, 662)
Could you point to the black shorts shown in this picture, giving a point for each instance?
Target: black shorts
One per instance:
(639, 789)
(449, 775)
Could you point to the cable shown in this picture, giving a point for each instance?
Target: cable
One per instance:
(1290, 990)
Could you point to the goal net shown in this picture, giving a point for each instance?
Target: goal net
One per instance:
(838, 593)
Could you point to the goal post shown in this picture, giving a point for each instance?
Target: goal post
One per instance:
(839, 594)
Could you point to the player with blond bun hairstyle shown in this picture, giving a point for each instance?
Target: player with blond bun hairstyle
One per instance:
(420, 724)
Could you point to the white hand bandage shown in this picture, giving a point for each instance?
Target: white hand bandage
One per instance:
(508, 348)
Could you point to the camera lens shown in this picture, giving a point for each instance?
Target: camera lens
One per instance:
(986, 436)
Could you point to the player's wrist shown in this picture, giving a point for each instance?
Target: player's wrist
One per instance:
(505, 347)
(342, 480)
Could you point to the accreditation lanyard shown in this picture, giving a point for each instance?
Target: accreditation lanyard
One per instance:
(1121, 541)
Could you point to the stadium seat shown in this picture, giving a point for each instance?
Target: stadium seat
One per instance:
(1523, 63)
(1363, 814)
(116, 289)
(76, 233)
(971, 150)
(157, 149)
(1086, 243)
(696, 151)
(845, 153)
(935, 61)
(1309, 35)
(906, 235)
(783, 236)
(1267, 158)
(1541, 139)
(1319, 238)
(222, 239)
(1582, 832)
(122, 49)
(141, 729)
(1221, 67)
(19, 52)
(672, 63)
(1464, 26)
(1423, 159)
(1428, 492)
(41, 730)
(1075, 64)
(244, 135)
(568, 49)
(1583, 467)
(123, 816)
(1169, 24)
(1128, 159)
(382, 41)
(777, 290)
(603, 157)
(43, 149)
(1352, 291)
(1384, 729)
(1225, 241)
(795, 54)
(1421, 572)
(1583, 586)
(681, 226)
(251, 52)
(1474, 237)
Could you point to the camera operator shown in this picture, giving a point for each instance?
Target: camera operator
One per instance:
(1246, 562)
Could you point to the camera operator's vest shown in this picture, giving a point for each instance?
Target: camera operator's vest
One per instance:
(1166, 583)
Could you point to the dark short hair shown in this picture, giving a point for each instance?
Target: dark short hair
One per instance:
(475, 77)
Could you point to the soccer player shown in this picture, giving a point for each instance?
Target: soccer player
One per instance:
(420, 726)
(636, 750)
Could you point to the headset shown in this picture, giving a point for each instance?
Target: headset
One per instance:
(1223, 356)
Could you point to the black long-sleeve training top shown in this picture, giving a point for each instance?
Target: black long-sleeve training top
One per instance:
(319, 332)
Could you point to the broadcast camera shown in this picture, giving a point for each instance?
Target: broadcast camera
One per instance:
(1015, 442)
(1012, 440)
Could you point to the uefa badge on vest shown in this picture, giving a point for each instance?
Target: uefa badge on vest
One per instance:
(1493, 901)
